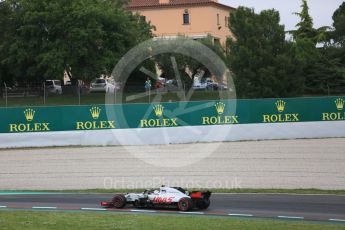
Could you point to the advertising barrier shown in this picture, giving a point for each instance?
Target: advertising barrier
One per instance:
(130, 116)
(172, 123)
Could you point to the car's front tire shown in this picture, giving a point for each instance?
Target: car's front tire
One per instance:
(184, 204)
(119, 201)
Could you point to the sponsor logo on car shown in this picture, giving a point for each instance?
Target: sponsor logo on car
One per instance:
(163, 200)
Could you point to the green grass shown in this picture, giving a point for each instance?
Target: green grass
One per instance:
(218, 190)
(72, 220)
(99, 98)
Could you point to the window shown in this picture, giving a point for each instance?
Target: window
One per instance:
(186, 17)
(217, 19)
(226, 21)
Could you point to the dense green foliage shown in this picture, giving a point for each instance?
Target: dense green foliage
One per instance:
(338, 34)
(267, 65)
(321, 72)
(44, 38)
(264, 63)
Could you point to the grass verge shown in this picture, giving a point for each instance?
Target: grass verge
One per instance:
(99, 98)
(71, 220)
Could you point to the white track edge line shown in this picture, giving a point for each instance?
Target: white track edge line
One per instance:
(3, 206)
(291, 217)
(339, 220)
(237, 214)
(150, 211)
(198, 213)
(94, 209)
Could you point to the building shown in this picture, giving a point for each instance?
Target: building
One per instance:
(193, 18)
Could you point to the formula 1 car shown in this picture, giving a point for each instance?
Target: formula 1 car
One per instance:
(165, 197)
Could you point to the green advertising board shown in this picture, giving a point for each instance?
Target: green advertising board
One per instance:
(128, 116)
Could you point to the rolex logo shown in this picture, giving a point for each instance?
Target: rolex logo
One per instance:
(340, 104)
(158, 109)
(95, 112)
(280, 104)
(159, 121)
(220, 106)
(29, 114)
(95, 124)
(29, 126)
(281, 117)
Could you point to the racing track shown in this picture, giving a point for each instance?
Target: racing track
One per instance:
(296, 207)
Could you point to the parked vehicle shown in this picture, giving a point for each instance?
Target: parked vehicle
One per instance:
(160, 85)
(208, 84)
(222, 86)
(102, 85)
(211, 85)
(173, 85)
(53, 86)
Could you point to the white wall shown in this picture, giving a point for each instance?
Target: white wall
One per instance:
(192, 134)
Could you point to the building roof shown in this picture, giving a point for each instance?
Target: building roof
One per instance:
(138, 4)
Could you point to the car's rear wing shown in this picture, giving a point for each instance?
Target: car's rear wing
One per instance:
(200, 195)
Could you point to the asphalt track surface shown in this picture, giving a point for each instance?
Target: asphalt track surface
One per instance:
(293, 207)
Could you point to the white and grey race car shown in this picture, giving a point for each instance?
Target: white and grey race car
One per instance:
(165, 197)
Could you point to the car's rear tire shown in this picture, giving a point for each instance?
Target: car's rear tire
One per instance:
(119, 201)
(184, 204)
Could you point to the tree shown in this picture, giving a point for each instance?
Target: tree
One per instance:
(339, 24)
(305, 28)
(321, 69)
(338, 34)
(84, 38)
(335, 53)
(5, 24)
(262, 60)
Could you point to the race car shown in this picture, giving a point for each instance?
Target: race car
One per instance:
(165, 197)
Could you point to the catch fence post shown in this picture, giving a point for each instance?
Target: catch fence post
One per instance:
(5, 94)
(44, 92)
